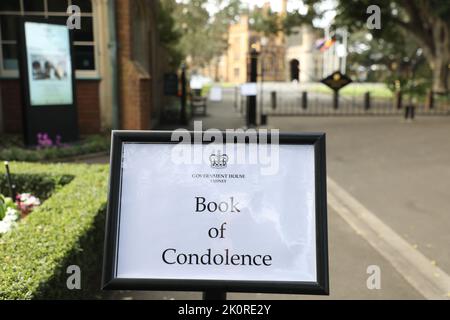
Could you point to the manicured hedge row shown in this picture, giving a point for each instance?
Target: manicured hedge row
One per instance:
(67, 229)
(42, 184)
(90, 144)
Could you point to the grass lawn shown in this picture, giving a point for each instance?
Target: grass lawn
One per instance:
(377, 90)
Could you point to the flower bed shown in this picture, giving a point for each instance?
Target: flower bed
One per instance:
(11, 148)
(11, 211)
(67, 229)
(9, 214)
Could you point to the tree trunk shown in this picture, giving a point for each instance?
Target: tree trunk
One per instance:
(440, 67)
(441, 56)
(433, 34)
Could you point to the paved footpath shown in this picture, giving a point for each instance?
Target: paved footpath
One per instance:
(388, 204)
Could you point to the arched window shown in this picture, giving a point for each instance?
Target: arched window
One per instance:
(295, 70)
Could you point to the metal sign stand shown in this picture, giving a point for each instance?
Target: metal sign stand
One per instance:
(10, 185)
(214, 295)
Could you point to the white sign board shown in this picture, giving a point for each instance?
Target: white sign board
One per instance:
(49, 64)
(215, 94)
(219, 218)
(249, 89)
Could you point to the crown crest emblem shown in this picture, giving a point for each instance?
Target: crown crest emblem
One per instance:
(218, 160)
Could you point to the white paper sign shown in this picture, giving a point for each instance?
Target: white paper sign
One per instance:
(215, 94)
(249, 89)
(49, 64)
(219, 220)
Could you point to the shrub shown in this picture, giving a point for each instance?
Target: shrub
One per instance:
(90, 144)
(67, 229)
(42, 184)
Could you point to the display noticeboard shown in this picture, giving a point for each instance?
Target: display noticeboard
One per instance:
(47, 75)
(336, 81)
(195, 216)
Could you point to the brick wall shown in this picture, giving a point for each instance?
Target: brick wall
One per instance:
(87, 104)
(138, 92)
(12, 105)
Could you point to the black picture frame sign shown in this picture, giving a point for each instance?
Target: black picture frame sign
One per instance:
(110, 281)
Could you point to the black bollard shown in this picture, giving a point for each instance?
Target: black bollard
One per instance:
(335, 99)
(398, 100)
(430, 100)
(367, 101)
(305, 100)
(273, 100)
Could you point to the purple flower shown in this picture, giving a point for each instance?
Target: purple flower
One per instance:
(58, 140)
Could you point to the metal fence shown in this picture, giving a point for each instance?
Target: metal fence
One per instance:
(318, 104)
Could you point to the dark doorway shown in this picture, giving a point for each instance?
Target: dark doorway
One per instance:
(295, 70)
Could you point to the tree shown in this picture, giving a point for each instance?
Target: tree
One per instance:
(203, 35)
(269, 22)
(169, 35)
(398, 63)
(265, 21)
(425, 21)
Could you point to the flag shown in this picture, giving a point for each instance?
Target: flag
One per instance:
(319, 43)
(328, 44)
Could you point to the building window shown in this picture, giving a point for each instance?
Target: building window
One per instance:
(236, 72)
(54, 10)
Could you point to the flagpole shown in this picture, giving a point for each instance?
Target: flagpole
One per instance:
(325, 54)
(345, 45)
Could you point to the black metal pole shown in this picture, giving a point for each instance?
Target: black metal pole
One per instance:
(336, 99)
(183, 119)
(251, 101)
(214, 295)
(367, 101)
(273, 99)
(263, 119)
(305, 100)
(8, 178)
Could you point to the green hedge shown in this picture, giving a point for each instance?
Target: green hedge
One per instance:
(42, 185)
(90, 144)
(67, 229)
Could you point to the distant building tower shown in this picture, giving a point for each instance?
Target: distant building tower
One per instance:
(303, 60)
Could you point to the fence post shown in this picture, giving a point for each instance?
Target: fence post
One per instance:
(335, 99)
(367, 101)
(273, 99)
(398, 100)
(304, 100)
(429, 104)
